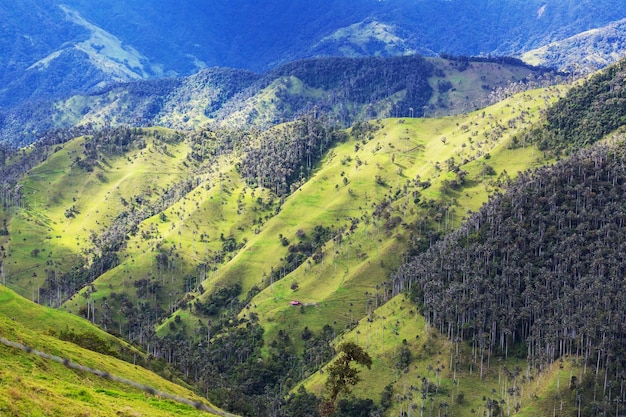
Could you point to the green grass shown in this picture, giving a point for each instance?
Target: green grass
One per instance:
(398, 152)
(344, 187)
(36, 386)
(57, 185)
(397, 324)
(470, 88)
(340, 283)
(341, 290)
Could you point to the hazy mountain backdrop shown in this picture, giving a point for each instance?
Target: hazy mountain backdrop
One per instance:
(54, 47)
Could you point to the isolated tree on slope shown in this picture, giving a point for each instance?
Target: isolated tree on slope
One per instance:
(341, 376)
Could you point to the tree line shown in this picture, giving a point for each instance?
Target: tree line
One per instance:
(587, 113)
(538, 271)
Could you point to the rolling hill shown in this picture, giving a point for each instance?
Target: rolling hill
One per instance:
(243, 257)
(35, 385)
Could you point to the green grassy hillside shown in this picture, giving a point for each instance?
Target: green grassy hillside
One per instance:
(36, 386)
(72, 199)
(355, 267)
(387, 175)
(152, 237)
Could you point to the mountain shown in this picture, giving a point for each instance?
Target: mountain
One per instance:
(583, 53)
(243, 257)
(78, 45)
(252, 233)
(177, 239)
(55, 49)
(345, 89)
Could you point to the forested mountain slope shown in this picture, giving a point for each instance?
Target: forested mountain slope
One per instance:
(539, 268)
(585, 52)
(588, 112)
(344, 89)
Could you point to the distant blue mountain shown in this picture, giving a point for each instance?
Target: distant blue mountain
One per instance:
(53, 48)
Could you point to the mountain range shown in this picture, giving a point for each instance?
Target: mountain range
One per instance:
(53, 48)
(398, 233)
(346, 89)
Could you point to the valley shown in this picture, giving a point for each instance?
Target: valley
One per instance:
(336, 226)
(195, 233)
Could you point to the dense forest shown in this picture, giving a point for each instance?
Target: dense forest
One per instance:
(538, 271)
(588, 112)
(359, 80)
(286, 155)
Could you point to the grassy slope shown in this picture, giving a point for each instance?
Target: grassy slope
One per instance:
(38, 387)
(339, 285)
(397, 324)
(365, 258)
(57, 184)
(337, 289)
(220, 206)
(583, 53)
(471, 87)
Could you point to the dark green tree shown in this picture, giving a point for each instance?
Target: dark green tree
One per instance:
(342, 376)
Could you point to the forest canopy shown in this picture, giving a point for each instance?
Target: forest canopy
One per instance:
(539, 267)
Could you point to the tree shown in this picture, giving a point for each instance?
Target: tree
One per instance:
(341, 376)
(302, 404)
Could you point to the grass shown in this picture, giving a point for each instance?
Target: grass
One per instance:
(38, 387)
(344, 191)
(349, 183)
(57, 185)
(470, 88)
(356, 38)
(339, 284)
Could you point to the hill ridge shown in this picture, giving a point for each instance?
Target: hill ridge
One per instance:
(198, 254)
(349, 89)
(83, 347)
